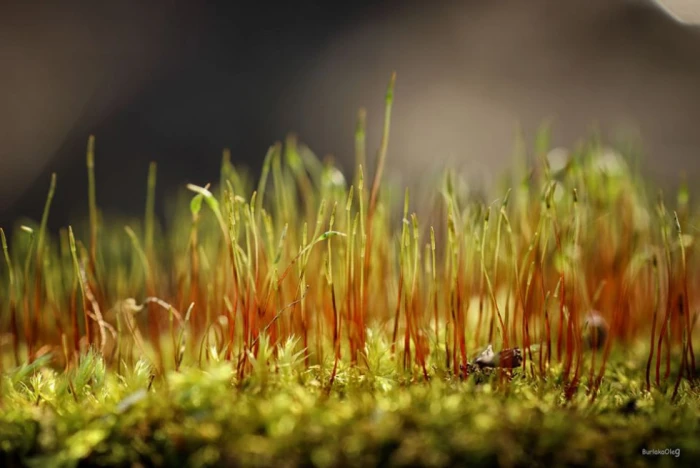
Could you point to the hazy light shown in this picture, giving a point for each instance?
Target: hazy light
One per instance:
(687, 11)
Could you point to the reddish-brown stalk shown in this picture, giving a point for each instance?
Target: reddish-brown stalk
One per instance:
(594, 350)
(153, 322)
(352, 302)
(353, 293)
(352, 323)
(569, 351)
(519, 298)
(574, 326)
(548, 324)
(549, 195)
(618, 311)
(661, 211)
(412, 317)
(418, 339)
(403, 248)
(482, 291)
(664, 329)
(448, 355)
(232, 322)
(562, 306)
(573, 386)
(434, 286)
(455, 328)
(511, 322)
(686, 301)
(57, 316)
(682, 215)
(479, 321)
(319, 320)
(407, 333)
(397, 314)
(350, 296)
(435, 310)
(451, 260)
(194, 295)
(385, 271)
(684, 354)
(232, 242)
(349, 300)
(14, 327)
(454, 313)
(548, 334)
(667, 372)
(336, 337)
(591, 374)
(657, 299)
(460, 325)
(247, 325)
(544, 334)
(526, 311)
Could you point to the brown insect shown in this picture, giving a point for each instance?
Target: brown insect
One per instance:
(508, 358)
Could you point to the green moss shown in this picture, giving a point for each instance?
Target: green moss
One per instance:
(207, 417)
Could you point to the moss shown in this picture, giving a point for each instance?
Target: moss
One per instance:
(309, 324)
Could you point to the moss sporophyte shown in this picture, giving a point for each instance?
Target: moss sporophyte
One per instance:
(310, 318)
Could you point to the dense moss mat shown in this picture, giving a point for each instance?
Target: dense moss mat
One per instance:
(284, 417)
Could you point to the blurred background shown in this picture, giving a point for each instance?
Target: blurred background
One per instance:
(177, 82)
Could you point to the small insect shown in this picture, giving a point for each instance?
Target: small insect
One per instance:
(508, 358)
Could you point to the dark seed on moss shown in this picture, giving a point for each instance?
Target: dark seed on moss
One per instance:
(596, 330)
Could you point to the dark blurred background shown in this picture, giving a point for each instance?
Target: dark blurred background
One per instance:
(176, 82)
